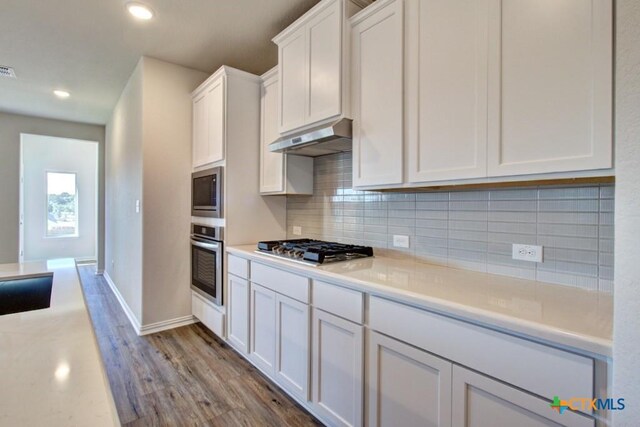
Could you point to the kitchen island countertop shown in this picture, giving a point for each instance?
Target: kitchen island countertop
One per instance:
(50, 365)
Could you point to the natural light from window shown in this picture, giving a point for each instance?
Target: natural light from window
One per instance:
(62, 205)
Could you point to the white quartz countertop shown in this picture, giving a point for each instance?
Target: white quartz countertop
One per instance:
(559, 315)
(50, 366)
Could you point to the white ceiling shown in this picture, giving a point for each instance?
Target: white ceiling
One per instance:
(90, 47)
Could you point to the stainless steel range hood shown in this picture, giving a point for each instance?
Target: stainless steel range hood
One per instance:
(325, 139)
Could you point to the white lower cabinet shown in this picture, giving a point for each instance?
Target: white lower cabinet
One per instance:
(406, 386)
(262, 349)
(419, 368)
(479, 401)
(337, 367)
(292, 346)
(238, 333)
(207, 313)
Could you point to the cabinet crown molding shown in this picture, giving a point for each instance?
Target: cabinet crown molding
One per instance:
(313, 12)
(368, 10)
(270, 74)
(225, 70)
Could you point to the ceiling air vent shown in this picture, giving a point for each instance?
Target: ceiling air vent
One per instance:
(7, 72)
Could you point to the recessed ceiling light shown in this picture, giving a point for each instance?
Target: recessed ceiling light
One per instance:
(140, 11)
(61, 93)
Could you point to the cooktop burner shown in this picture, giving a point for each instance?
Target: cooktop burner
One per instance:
(314, 251)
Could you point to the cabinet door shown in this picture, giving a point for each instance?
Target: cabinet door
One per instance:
(292, 346)
(407, 386)
(200, 130)
(262, 349)
(480, 401)
(447, 89)
(337, 369)
(293, 66)
(239, 313)
(216, 118)
(550, 87)
(377, 96)
(271, 164)
(324, 41)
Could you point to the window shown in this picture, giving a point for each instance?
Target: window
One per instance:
(62, 205)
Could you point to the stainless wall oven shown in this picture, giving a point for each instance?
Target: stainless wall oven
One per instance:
(206, 193)
(206, 262)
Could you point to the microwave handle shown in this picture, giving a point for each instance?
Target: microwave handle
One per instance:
(199, 244)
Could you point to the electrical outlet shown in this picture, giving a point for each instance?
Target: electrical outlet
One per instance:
(400, 241)
(137, 206)
(297, 230)
(530, 253)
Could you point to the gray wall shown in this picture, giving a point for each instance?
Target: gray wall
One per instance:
(11, 126)
(123, 170)
(149, 159)
(167, 128)
(468, 229)
(626, 322)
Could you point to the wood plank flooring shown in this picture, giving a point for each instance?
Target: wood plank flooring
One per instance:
(181, 377)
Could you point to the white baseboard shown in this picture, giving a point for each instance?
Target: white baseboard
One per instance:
(167, 324)
(132, 318)
(151, 327)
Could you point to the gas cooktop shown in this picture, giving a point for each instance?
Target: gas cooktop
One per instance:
(313, 252)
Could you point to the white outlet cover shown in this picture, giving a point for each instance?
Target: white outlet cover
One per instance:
(297, 230)
(400, 241)
(530, 253)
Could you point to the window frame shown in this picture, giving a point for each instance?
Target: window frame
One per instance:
(76, 235)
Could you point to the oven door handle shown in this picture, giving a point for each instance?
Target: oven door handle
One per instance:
(205, 245)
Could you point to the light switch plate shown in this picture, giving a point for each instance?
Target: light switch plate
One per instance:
(297, 230)
(530, 253)
(400, 241)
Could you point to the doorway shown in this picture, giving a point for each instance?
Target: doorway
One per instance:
(58, 198)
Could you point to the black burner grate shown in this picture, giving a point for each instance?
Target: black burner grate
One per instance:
(315, 251)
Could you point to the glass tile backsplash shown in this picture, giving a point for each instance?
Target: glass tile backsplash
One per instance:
(468, 229)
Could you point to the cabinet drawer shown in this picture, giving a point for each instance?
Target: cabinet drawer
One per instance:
(543, 370)
(337, 300)
(206, 313)
(238, 266)
(283, 282)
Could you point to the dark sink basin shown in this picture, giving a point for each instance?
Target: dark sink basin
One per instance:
(32, 293)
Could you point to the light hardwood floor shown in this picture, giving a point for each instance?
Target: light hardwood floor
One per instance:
(181, 377)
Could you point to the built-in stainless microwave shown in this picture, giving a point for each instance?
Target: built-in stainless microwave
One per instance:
(206, 193)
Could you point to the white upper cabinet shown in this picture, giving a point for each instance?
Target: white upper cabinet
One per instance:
(377, 101)
(200, 129)
(446, 92)
(446, 64)
(221, 114)
(312, 63)
(279, 173)
(209, 122)
(324, 41)
(292, 63)
(550, 91)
